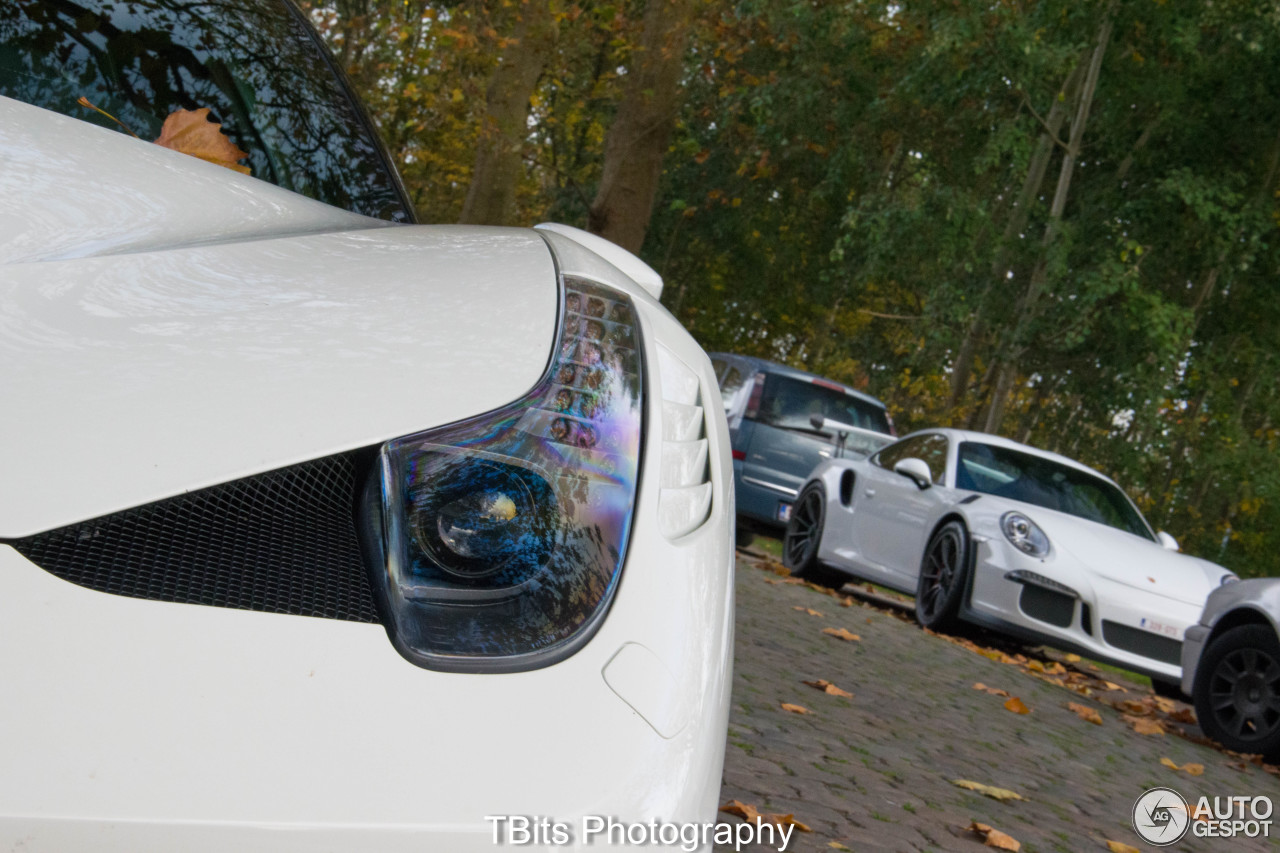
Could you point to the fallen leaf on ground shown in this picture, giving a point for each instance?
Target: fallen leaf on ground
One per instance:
(1086, 713)
(1118, 847)
(1111, 685)
(836, 845)
(1166, 705)
(993, 837)
(1184, 715)
(846, 601)
(1193, 769)
(994, 691)
(827, 687)
(192, 132)
(1143, 725)
(1017, 706)
(743, 810)
(1071, 658)
(795, 709)
(1135, 707)
(808, 610)
(1001, 794)
(842, 633)
(785, 820)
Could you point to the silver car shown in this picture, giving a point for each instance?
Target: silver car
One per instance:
(1231, 666)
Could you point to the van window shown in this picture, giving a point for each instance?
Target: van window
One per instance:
(789, 403)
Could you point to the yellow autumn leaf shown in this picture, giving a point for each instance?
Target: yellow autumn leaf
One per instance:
(1143, 725)
(192, 132)
(1120, 847)
(746, 811)
(993, 837)
(1085, 713)
(1017, 706)
(827, 687)
(785, 820)
(1071, 658)
(795, 709)
(808, 610)
(994, 691)
(1001, 794)
(842, 633)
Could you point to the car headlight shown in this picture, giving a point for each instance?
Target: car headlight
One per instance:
(504, 535)
(1024, 535)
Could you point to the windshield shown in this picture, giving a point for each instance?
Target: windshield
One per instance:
(789, 404)
(255, 64)
(1032, 479)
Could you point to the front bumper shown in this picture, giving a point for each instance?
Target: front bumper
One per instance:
(1193, 643)
(996, 601)
(144, 725)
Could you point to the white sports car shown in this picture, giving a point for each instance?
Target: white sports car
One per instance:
(1006, 536)
(321, 532)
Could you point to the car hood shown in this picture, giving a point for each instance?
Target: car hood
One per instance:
(142, 360)
(1126, 559)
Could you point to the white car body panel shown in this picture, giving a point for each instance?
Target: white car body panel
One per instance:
(1125, 579)
(264, 352)
(134, 370)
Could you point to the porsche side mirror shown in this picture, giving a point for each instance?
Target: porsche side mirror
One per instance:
(817, 421)
(916, 470)
(1167, 541)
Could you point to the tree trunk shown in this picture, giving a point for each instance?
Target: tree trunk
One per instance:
(1031, 184)
(637, 140)
(491, 196)
(1023, 311)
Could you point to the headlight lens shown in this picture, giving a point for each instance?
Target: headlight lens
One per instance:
(504, 536)
(1024, 535)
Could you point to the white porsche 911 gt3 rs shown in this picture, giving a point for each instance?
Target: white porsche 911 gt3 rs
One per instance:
(1003, 535)
(319, 531)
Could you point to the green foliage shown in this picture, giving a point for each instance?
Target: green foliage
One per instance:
(842, 191)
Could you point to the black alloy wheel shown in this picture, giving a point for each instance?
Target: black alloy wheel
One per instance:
(1237, 690)
(944, 573)
(804, 534)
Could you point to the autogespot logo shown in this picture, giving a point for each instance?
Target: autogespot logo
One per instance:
(1161, 816)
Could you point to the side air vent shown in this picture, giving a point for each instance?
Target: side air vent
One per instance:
(684, 500)
(281, 542)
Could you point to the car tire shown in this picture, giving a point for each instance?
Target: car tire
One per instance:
(743, 537)
(1237, 690)
(943, 578)
(1167, 690)
(804, 535)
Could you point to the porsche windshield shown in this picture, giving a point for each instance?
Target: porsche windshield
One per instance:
(255, 64)
(1032, 479)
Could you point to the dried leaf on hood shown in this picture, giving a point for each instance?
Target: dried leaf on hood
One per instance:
(192, 132)
(827, 687)
(842, 633)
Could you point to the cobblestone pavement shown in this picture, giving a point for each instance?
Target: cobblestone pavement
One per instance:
(874, 772)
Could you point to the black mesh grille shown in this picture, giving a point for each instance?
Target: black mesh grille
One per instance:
(1143, 643)
(281, 542)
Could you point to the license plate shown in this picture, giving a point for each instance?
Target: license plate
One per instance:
(784, 511)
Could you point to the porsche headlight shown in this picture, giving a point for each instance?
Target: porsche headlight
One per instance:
(504, 535)
(1024, 535)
